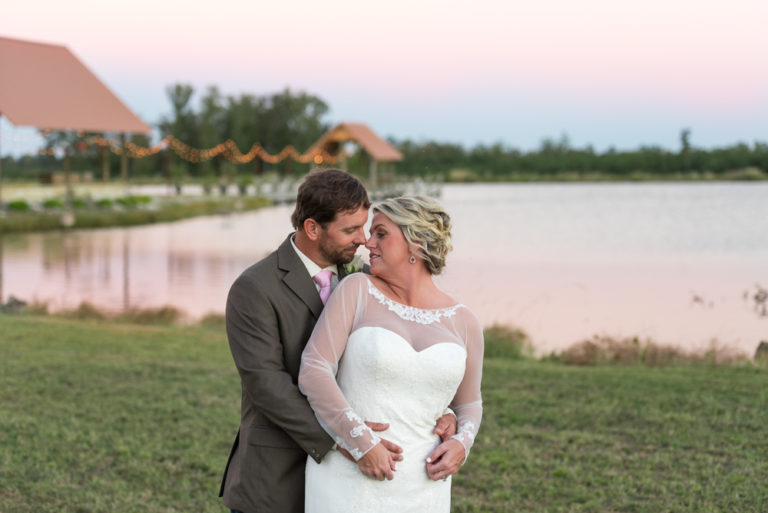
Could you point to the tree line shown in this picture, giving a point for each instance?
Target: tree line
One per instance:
(558, 160)
(296, 118)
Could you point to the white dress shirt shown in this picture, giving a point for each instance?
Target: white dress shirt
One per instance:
(313, 268)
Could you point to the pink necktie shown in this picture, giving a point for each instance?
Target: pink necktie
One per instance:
(323, 278)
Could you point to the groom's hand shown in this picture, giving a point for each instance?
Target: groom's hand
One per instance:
(377, 463)
(445, 427)
(396, 452)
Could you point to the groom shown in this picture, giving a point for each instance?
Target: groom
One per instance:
(271, 310)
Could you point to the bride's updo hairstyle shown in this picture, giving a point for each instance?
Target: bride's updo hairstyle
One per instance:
(424, 224)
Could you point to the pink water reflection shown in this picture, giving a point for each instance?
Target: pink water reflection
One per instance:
(561, 278)
(189, 264)
(690, 306)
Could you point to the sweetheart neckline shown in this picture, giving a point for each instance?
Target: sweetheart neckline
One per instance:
(408, 344)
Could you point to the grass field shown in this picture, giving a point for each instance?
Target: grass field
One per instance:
(109, 417)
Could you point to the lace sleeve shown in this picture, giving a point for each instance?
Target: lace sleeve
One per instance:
(319, 363)
(468, 403)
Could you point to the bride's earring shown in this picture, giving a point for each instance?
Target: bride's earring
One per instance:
(412, 259)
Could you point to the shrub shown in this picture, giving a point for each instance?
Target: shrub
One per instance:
(746, 174)
(462, 176)
(505, 342)
(604, 350)
(85, 311)
(162, 315)
(631, 351)
(213, 321)
(53, 204)
(18, 205)
(36, 308)
(133, 201)
(105, 203)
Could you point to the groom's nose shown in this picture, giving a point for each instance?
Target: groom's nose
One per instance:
(360, 239)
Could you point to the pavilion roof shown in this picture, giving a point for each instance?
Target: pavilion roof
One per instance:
(47, 86)
(361, 134)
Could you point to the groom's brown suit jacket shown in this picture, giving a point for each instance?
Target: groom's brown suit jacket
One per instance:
(271, 310)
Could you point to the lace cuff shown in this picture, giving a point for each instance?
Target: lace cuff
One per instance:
(466, 436)
(359, 430)
(469, 416)
(359, 434)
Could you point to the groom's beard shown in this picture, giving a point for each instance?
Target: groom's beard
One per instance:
(337, 256)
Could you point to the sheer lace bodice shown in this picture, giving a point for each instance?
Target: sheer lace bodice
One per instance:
(395, 351)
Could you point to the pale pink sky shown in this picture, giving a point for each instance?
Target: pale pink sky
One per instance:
(606, 73)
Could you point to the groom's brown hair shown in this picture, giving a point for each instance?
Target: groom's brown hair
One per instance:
(325, 193)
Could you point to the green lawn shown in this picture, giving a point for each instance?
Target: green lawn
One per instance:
(98, 416)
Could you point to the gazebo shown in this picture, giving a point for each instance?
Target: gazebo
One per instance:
(377, 148)
(46, 86)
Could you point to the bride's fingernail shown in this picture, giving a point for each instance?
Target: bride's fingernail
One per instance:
(429, 460)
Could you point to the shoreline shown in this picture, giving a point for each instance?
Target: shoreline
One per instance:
(129, 210)
(501, 341)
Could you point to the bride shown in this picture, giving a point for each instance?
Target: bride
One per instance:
(392, 346)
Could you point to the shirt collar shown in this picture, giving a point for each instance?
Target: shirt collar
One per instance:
(312, 268)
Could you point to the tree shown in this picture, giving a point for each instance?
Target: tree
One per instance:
(181, 125)
(210, 128)
(685, 148)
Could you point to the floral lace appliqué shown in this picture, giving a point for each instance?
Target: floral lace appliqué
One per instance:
(411, 313)
(467, 431)
(359, 430)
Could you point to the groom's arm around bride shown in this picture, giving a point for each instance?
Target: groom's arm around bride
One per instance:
(271, 310)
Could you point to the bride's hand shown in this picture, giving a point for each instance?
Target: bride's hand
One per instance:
(377, 463)
(445, 460)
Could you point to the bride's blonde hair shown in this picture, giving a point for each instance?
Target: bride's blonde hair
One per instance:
(424, 224)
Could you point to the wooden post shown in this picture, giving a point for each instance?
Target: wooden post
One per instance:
(67, 177)
(126, 273)
(123, 159)
(1, 269)
(258, 166)
(1, 171)
(104, 164)
(169, 165)
(372, 178)
(340, 151)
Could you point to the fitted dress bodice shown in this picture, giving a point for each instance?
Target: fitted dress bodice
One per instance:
(381, 361)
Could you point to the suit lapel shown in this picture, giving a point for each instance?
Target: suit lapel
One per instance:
(297, 278)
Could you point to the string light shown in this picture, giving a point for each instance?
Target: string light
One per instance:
(228, 149)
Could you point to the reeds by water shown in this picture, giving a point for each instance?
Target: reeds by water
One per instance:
(501, 342)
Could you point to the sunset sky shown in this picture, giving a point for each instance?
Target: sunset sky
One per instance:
(604, 72)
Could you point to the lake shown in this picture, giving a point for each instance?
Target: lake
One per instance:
(679, 263)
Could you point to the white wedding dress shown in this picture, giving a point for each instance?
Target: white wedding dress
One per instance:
(371, 358)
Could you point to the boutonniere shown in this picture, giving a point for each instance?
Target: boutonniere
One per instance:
(356, 265)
